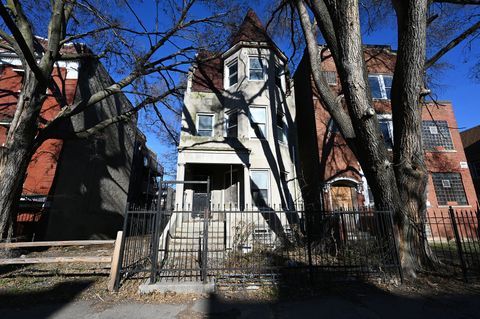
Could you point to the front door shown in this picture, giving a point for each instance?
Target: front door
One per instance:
(342, 197)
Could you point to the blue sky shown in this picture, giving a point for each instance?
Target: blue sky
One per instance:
(454, 84)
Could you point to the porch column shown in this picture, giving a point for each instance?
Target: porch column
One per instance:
(246, 187)
(180, 187)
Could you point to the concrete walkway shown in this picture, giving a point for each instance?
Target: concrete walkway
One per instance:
(369, 304)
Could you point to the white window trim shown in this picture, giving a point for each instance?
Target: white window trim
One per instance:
(387, 117)
(268, 183)
(227, 73)
(197, 122)
(251, 131)
(381, 83)
(264, 61)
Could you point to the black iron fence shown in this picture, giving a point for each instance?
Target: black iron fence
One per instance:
(454, 241)
(230, 244)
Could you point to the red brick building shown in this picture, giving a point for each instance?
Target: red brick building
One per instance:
(79, 188)
(335, 173)
(471, 144)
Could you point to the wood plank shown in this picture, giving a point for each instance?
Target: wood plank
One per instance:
(115, 262)
(49, 260)
(56, 243)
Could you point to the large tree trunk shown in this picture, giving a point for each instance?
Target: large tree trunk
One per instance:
(18, 150)
(410, 169)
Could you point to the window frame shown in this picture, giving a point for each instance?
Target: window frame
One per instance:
(197, 122)
(325, 73)
(387, 118)
(381, 84)
(264, 68)
(252, 134)
(281, 130)
(446, 141)
(228, 65)
(252, 189)
(455, 190)
(226, 126)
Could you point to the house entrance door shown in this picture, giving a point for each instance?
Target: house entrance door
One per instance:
(342, 197)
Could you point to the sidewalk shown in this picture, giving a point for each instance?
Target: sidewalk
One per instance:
(359, 302)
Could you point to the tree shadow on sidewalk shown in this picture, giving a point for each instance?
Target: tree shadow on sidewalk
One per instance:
(46, 301)
(350, 300)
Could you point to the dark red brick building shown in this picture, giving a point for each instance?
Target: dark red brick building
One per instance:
(335, 173)
(76, 189)
(471, 144)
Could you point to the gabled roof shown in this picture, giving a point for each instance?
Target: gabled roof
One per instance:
(251, 30)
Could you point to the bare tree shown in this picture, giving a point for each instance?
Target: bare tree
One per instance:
(400, 184)
(150, 59)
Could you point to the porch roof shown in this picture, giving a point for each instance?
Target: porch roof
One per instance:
(214, 156)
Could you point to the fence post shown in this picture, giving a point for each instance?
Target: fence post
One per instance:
(206, 217)
(309, 243)
(116, 262)
(156, 233)
(458, 242)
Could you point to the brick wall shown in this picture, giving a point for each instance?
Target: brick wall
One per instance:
(338, 162)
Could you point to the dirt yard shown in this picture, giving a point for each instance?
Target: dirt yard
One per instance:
(66, 283)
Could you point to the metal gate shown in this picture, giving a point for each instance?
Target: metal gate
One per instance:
(146, 230)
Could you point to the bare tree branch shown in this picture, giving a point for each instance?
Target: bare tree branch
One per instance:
(451, 45)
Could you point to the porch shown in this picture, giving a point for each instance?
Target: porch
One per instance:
(228, 187)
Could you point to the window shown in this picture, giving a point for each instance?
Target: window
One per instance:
(233, 73)
(257, 69)
(331, 77)
(281, 128)
(231, 125)
(258, 117)
(386, 128)
(380, 85)
(260, 182)
(205, 124)
(449, 188)
(436, 134)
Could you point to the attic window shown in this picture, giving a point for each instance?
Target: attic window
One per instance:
(233, 73)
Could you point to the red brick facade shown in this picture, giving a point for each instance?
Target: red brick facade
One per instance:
(340, 169)
(42, 168)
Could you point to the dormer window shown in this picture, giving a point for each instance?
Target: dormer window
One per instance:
(232, 73)
(256, 69)
(380, 85)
